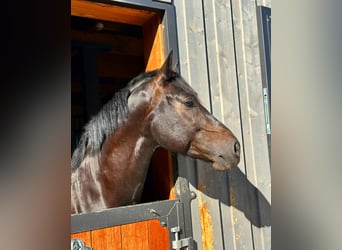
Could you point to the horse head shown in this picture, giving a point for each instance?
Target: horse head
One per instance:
(181, 124)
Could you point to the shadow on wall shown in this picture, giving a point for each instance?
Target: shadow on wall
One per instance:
(247, 198)
(241, 193)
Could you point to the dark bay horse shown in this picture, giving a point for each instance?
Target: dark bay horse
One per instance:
(156, 109)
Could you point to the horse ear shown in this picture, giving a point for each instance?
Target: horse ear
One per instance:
(175, 67)
(165, 70)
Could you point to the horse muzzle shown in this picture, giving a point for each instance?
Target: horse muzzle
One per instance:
(222, 150)
(229, 159)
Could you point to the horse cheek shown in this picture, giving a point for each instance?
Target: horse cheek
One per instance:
(170, 135)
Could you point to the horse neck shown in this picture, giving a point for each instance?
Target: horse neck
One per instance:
(125, 157)
(127, 148)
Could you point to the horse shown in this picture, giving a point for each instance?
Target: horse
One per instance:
(156, 109)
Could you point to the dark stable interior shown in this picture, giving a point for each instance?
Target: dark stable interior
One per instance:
(105, 56)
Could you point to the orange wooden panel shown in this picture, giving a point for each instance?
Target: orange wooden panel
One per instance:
(135, 236)
(159, 236)
(153, 43)
(85, 236)
(108, 12)
(106, 238)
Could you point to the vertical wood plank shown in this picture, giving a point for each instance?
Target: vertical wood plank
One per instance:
(266, 3)
(193, 68)
(236, 227)
(85, 236)
(135, 236)
(252, 115)
(158, 236)
(153, 43)
(106, 238)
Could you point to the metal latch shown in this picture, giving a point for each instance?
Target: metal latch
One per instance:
(180, 243)
(267, 111)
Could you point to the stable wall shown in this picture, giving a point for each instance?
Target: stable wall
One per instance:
(219, 55)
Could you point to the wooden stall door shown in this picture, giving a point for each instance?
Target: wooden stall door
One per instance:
(145, 235)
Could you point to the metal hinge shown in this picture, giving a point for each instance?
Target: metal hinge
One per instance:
(267, 111)
(177, 244)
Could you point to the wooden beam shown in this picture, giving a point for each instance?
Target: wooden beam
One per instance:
(108, 12)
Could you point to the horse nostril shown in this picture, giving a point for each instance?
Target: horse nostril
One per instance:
(236, 147)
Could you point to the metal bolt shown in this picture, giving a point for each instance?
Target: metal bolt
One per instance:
(151, 210)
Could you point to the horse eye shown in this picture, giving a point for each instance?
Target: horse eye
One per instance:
(189, 103)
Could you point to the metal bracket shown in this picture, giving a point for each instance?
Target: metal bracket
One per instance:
(175, 223)
(177, 244)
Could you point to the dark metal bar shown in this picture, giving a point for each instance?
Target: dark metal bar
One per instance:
(122, 215)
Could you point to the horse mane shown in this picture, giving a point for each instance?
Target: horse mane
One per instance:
(113, 114)
(104, 123)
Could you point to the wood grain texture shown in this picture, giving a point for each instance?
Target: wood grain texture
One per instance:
(106, 238)
(153, 43)
(158, 236)
(85, 236)
(219, 57)
(135, 236)
(257, 163)
(108, 12)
